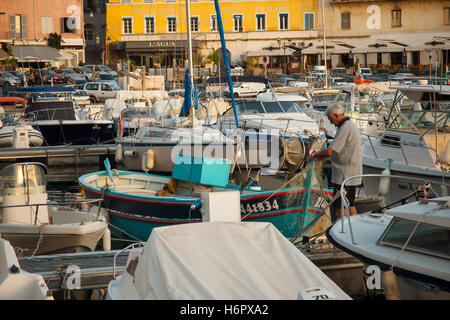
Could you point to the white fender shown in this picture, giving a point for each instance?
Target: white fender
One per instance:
(119, 153)
(107, 240)
(148, 160)
(385, 183)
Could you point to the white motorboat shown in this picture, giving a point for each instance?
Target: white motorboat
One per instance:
(23, 134)
(35, 226)
(16, 284)
(415, 142)
(411, 240)
(220, 258)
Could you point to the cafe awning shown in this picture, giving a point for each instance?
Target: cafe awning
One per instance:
(35, 53)
(270, 53)
(380, 46)
(439, 43)
(331, 48)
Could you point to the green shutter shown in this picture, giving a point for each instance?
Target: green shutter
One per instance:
(12, 27)
(24, 26)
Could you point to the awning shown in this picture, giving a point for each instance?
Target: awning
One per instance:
(35, 53)
(380, 45)
(270, 53)
(332, 48)
(440, 43)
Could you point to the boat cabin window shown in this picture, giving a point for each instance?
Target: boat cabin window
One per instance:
(272, 107)
(22, 180)
(427, 238)
(250, 108)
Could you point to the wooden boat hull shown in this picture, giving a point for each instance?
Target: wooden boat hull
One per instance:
(137, 214)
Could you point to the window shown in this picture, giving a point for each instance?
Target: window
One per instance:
(194, 24)
(106, 87)
(345, 21)
(127, 25)
(47, 25)
(237, 23)
(260, 22)
(171, 24)
(446, 16)
(427, 238)
(396, 18)
(149, 25)
(18, 26)
(92, 86)
(309, 20)
(214, 26)
(69, 25)
(284, 21)
(89, 33)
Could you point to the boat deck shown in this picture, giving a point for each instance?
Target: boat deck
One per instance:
(96, 268)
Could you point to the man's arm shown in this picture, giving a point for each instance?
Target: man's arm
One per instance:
(321, 155)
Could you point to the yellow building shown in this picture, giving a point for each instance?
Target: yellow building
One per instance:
(153, 32)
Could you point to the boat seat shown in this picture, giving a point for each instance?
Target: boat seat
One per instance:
(444, 156)
(442, 142)
(133, 189)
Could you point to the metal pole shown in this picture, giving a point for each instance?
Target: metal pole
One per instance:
(324, 45)
(191, 68)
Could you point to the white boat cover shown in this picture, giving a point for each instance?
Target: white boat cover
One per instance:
(247, 260)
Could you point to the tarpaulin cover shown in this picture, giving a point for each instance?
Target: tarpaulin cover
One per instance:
(225, 261)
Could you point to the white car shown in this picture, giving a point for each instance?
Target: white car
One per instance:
(245, 89)
(365, 72)
(100, 91)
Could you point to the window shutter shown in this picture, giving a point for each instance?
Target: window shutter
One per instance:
(12, 27)
(24, 26)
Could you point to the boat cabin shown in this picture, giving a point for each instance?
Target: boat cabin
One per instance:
(24, 184)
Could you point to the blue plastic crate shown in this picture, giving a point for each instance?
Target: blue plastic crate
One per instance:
(208, 171)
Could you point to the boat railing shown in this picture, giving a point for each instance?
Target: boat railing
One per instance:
(398, 143)
(127, 248)
(345, 204)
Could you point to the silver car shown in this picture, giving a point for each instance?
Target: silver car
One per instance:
(7, 79)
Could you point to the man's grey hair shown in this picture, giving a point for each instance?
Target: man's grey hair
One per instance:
(334, 109)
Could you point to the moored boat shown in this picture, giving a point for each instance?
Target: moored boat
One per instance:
(138, 202)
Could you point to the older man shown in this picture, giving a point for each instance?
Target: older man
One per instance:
(345, 156)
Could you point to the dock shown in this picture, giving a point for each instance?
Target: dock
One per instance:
(66, 162)
(96, 268)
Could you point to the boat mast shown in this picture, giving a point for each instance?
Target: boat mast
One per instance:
(225, 58)
(190, 63)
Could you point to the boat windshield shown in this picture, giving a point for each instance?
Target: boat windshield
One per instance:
(22, 179)
(324, 97)
(421, 120)
(137, 113)
(257, 107)
(428, 239)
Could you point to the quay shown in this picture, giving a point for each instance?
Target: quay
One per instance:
(66, 162)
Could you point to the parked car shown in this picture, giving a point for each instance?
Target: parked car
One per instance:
(245, 89)
(426, 73)
(102, 68)
(7, 79)
(365, 72)
(85, 71)
(71, 74)
(23, 77)
(46, 76)
(81, 97)
(107, 78)
(339, 72)
(99, 91)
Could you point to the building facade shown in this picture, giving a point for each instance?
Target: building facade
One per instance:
(95, 30)
(153, 32)
(388, 33)
(30, 22)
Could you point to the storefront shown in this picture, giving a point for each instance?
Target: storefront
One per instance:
(164, 53)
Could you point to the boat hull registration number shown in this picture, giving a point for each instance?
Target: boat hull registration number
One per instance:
(259, 207)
